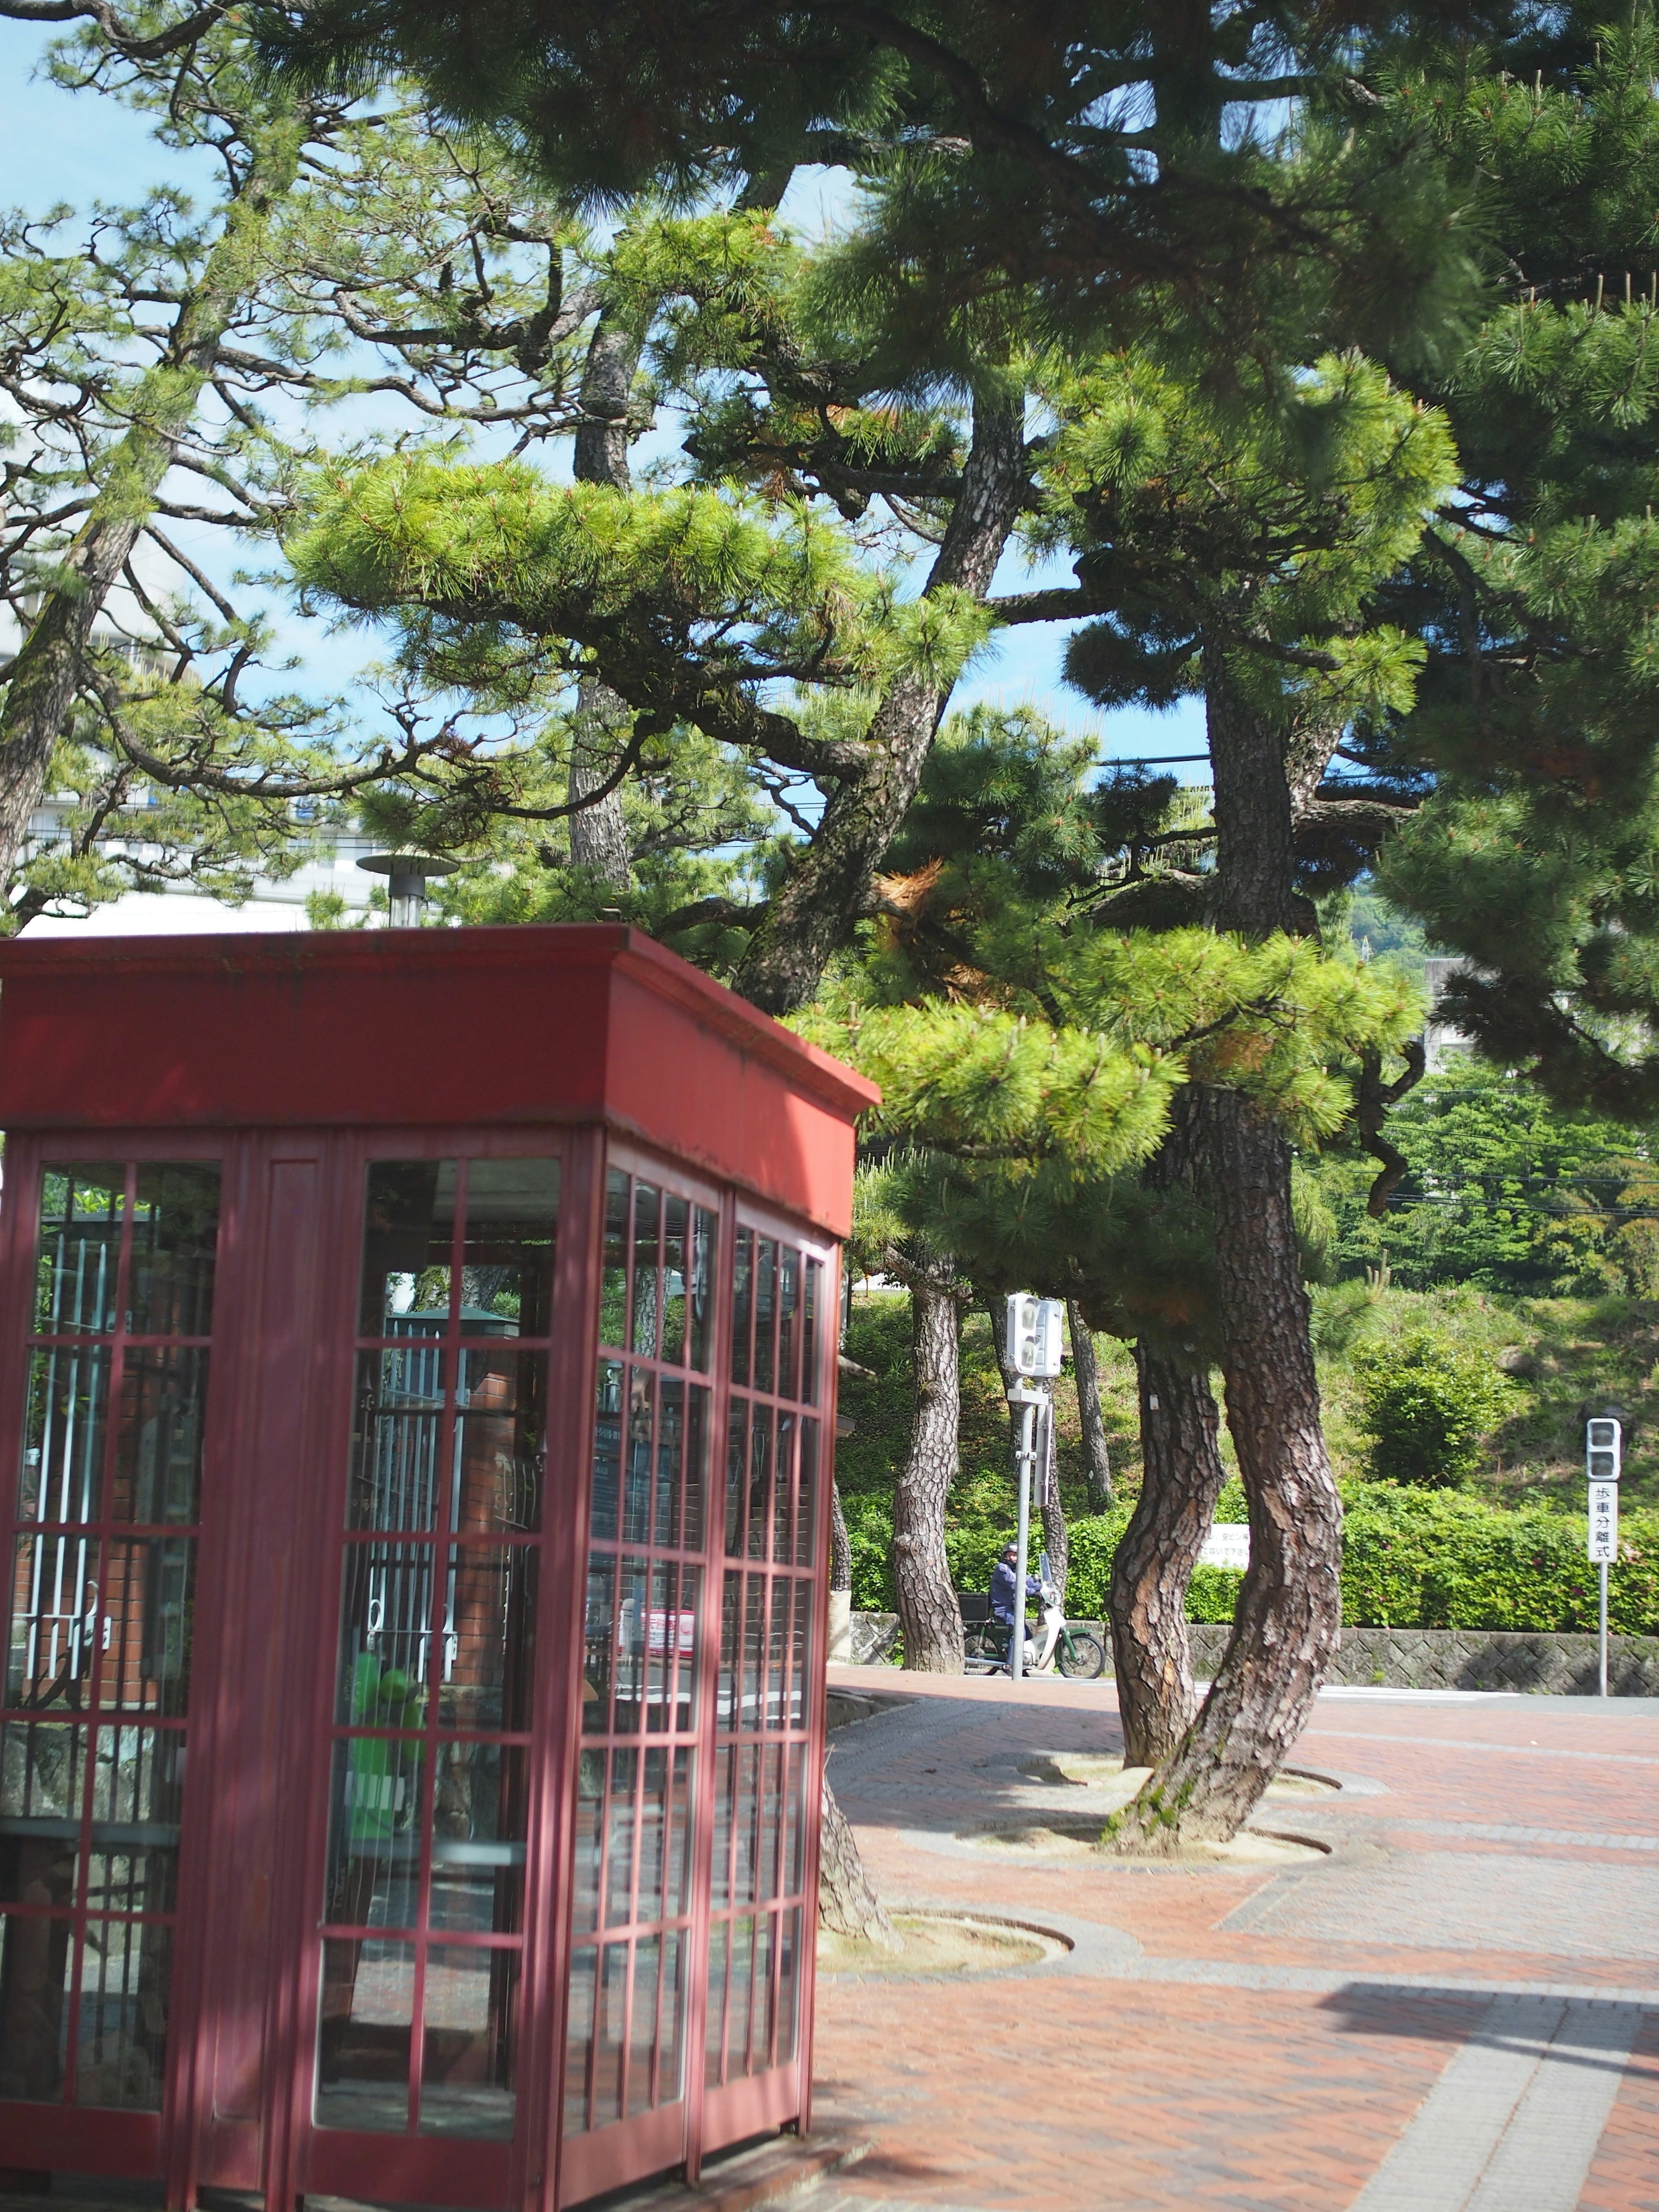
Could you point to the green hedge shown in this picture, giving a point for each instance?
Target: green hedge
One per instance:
(1412, 1559)
(1435, 1560)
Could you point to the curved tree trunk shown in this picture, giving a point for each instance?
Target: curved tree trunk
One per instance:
(930, 1619)
(827, 884)
(1289, 1610)
(1096, 1459)
(49, 665)
(1181, 1479)
(841, 1544)
(1056, 1537)
(847, 1904)
(603, 722)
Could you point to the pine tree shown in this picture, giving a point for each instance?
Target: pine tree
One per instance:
(1529, 746)
(1234, 554)
(1079, 154)
(690, 605)
(179, 362)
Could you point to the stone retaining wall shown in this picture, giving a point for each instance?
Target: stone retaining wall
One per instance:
(873, 1636)
(1472, 1659)
(1406, 1658)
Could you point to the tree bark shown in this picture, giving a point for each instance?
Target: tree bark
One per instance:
(1056, 1537)
(50, 667)
(826, 888)
(930, 1619)
(847, 1904)
(1181, 1479)
(841, 1544)
(1289, 1609)
(604, 720)
(1096, 1459)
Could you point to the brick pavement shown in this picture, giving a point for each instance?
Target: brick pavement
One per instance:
(1469, 1980)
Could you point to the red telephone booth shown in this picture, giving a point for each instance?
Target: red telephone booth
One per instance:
(420, 1347)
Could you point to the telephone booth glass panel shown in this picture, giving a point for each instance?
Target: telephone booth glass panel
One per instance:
(762, 1706)
(94, 1732)
(645, 1651)
(424, 1924)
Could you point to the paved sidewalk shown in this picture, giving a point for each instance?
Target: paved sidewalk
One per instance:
(1456, 2011)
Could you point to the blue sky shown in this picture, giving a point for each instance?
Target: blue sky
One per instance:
(60, 147)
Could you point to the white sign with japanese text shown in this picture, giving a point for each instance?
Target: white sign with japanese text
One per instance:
(1603, 1521)
(1227, 1545)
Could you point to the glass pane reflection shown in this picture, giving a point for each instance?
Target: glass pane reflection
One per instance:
(158, 1436)
(647, 1274)
(54, 1621)
(175, 1233)
(469, 2042)
(36, 1959)
(500, 1429)
(367, 2027)
(148, 1611)
(395, 1439)
(490, 1637)
(42, 1779)
(126, 1973)
(375, 1833)
(613, 1281)
(507, 1256)
(63, 1430)
(80, 1212)
(385, 1634)
(477, 1844)
(409, 1226)
(639, 1644)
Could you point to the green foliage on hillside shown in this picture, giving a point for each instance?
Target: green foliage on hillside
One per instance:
(1428, 1408)
(1503, 1191)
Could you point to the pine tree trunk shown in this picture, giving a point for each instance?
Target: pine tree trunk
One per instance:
(841, 1544)
(604, 722)
(1056, 1537)
(1096, 1459)
(47, 673)
(847, 1904)
(1182, 1478)
(1289, 1609)
(930, 1619)
(824, 892)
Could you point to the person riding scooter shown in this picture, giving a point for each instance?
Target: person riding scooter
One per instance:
(1005, 1603)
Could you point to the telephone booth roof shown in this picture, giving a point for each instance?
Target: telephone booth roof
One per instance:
(576, 1023)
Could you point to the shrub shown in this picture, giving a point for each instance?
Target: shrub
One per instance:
(870, 1531)
(1212, 1593)
(1410, 1560)
(1425, 1405)
(1430, 1559)
(1094, 1540)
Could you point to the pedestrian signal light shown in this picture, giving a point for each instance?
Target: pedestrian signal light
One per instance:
(1034, 1338)
(1602, 1450)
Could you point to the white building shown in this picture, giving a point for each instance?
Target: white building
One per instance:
(181, 910)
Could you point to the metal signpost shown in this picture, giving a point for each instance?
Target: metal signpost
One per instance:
(1603, 1453)
(1032, 1347)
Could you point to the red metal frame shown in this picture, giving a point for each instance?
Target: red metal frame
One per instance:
(667, 1059)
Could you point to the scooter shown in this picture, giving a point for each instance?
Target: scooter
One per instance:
(1075, 1653)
